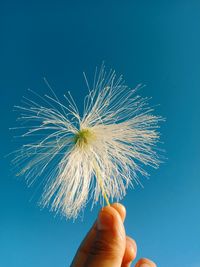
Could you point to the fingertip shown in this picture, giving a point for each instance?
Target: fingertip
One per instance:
(120, 209)
(144, 262)
(115, 221)
(111, 211)
(131, 245)
(130, 251)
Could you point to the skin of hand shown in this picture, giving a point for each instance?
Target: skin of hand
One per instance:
(106, 244)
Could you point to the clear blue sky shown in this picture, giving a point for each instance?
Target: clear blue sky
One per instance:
(153, 42)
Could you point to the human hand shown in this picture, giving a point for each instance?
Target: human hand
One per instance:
(106, 244)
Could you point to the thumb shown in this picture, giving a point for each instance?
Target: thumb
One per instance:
(109, 244)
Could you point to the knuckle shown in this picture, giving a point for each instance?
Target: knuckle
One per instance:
(104, 248)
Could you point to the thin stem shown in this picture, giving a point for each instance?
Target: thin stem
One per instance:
(99, 179)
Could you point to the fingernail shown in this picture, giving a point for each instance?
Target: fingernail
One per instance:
(145, 265)
(104, 221)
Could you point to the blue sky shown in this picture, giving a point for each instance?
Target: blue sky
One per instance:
(153, 42)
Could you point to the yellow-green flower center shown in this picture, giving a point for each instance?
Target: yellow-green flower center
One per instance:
(83, 137)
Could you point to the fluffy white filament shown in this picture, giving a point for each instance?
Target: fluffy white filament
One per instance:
(115, 136)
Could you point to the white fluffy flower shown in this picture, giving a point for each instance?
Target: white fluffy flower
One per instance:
(97, 154)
